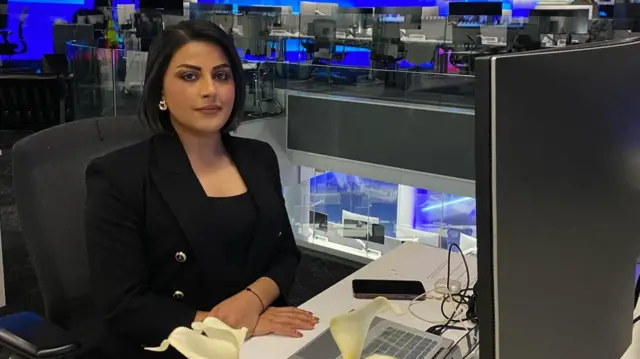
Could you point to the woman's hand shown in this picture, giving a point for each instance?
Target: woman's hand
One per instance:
(240, 311)
(285, 321)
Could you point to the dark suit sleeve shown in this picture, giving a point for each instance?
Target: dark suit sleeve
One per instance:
(113, 222)
(282, 267)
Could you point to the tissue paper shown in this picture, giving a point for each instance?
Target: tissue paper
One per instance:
(350, 330)
(219, 341)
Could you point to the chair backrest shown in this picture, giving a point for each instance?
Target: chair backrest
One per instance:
(148, 23)
(325, 33)
(48, 170)
(31, 101)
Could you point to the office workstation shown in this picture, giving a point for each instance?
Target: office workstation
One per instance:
(426, 174)
(376, 52)
(532, 230)
(411, 54)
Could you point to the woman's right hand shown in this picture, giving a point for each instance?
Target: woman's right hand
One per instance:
(287, 321)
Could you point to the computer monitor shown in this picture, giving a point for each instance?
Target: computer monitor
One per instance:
(377, 233)
(356, 10)
(216, 8)
(259, 9)
(605, 11)
(410, 16)
(557, 202)
(359, 217)
(319, 220)
(626, 16)
(172, 7)
(363, 230)
(492, 8)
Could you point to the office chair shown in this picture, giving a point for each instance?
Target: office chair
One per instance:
(48, 170)
(386, 50)
(148, 25)
(8, 48)
(324, 49)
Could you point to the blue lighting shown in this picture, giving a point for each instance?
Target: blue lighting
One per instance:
(71, 2)
(446, 204)
(38, 27)
(434, 209)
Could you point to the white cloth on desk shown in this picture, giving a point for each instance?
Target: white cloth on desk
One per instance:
(219, 342)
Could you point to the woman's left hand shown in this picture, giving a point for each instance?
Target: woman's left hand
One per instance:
(240, 311)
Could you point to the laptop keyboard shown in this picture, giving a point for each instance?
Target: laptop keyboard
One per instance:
(401, 345)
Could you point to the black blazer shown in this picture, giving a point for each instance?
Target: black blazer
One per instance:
(152, 266)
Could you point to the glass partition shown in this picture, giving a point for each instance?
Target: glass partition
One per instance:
(425, 60)
(367, 218)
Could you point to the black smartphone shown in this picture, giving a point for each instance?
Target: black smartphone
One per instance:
(390, 289)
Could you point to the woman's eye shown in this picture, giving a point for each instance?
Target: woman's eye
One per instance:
(221, 76)
(189, 76)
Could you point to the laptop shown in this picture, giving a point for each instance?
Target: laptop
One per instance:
(387, 338)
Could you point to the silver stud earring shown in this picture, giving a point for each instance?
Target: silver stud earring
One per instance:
(162, 105)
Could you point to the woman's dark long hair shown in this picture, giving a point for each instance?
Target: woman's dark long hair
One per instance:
(160, 54)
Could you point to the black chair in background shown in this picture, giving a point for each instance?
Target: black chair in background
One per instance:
(8, 48)
(386, 50)
(33, 102)
(148, 25)
(48, 172)
(325, 51)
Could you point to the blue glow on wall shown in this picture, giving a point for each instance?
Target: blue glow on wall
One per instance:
(332, 192)
(433, 209)
(37, 30)
(71, 2)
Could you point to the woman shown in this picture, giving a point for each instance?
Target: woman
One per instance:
(190, 223)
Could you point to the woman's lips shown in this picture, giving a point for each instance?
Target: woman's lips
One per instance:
(209, 109)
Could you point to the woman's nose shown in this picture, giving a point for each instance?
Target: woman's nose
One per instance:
(207, 87)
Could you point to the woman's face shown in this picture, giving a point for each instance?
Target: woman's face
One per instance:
(198, 88)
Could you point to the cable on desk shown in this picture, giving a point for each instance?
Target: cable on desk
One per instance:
(453, 347)
(459, 299)
(636, 320)
(430, 321)
(464, 260)
(472, 350)
(463, 299)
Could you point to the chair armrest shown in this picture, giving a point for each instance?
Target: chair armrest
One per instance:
(32, 337)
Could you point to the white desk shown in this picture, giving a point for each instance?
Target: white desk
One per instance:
(411, 261)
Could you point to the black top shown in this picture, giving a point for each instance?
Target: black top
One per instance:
(159, 249)
(233, 222)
